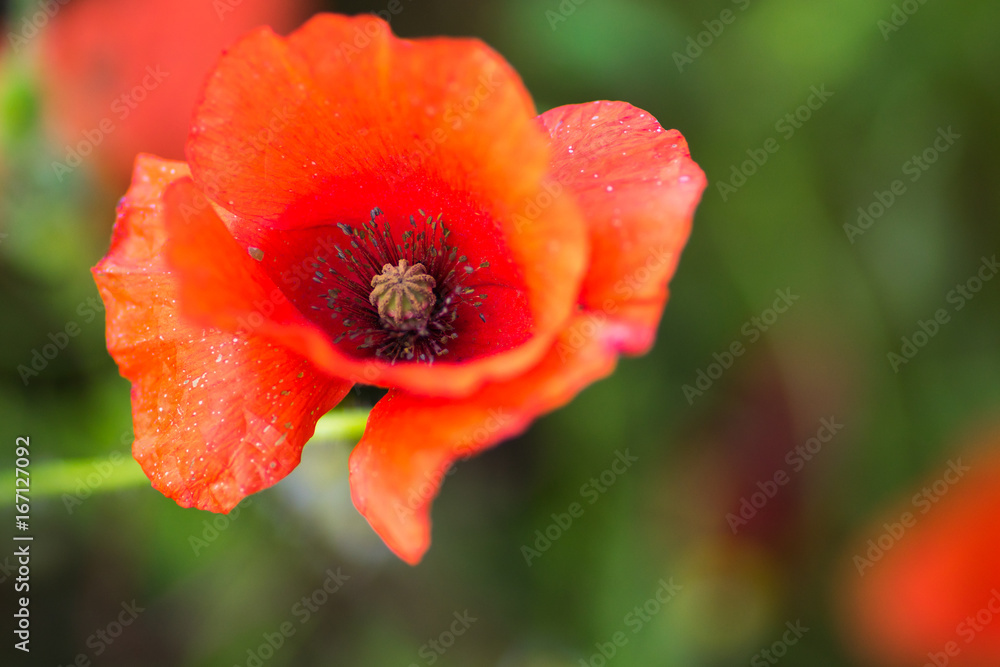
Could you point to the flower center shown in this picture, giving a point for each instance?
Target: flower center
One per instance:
(404, 296)
(397, 294)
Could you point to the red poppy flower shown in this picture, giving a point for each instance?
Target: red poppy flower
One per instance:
(924, 587)
(361, 208)
(121, 77)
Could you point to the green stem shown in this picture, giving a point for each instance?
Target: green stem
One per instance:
(348, 424)
(120, 471)
(102, 473)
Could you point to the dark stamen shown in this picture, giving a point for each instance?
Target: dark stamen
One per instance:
(399, 298)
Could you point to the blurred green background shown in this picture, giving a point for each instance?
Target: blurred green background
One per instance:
(212, 594)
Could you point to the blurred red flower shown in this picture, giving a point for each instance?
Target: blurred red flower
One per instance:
(366, 209)
(924, 588)
(121, 77)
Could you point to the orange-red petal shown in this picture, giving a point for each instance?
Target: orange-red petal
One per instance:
(217, 415)
(411, 441)
(638, 189)
(320, 128)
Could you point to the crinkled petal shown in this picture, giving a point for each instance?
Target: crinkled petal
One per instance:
(638, 189)
(217, 415)
(411, 441)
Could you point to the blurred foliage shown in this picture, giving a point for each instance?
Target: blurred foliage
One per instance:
(214, 589)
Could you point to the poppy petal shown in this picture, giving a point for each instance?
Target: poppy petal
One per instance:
(638, 189)
(441, 112)
(217, 415)
(411, 441)
(445, 112)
